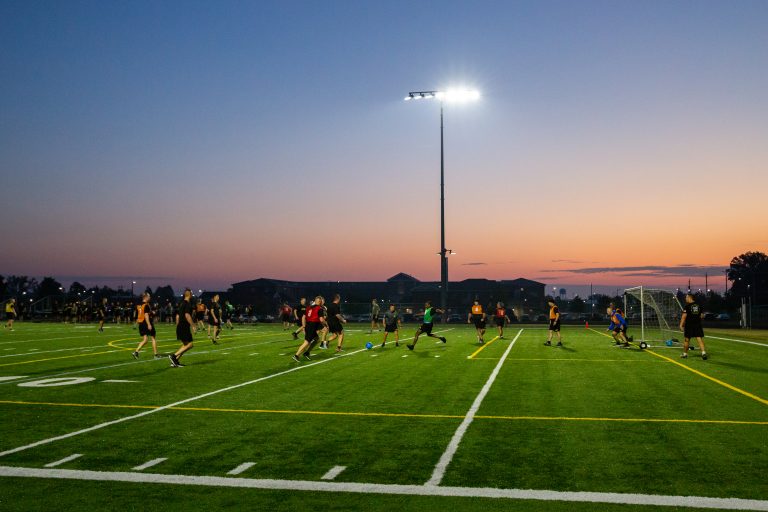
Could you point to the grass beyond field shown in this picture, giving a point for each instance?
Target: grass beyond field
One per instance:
(508, 425)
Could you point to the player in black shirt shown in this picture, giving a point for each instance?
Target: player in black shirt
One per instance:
(298, 314)
(335, 321)
(101, 313)
(214, 320)
(690, 324)
(185, 327)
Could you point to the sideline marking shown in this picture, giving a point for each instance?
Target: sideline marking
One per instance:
(738, 341)
(453, 446)
(149, 464)
(241, 468)
(394, 414)
(700, 374)
(482, 348)
(408, 490)
(64, 460)
(11, 377)
(169, 406)
(60, 357)
(333, 472)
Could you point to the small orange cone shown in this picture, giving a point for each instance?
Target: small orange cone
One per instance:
(586, 326)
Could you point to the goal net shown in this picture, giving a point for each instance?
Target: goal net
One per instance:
(656, 313)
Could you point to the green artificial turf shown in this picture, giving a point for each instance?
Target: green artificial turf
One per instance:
(584, 417)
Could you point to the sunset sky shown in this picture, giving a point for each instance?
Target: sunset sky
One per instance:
(205, 143)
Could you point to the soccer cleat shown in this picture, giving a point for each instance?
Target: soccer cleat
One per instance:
(547, 343)
(135, 354)
(296, 358)
(174, 361)
(410, 347)
(295, 336)
(307, 356)
(158, 356)
(684, 356)
(383, 343)
(704, 356)
(323, 346)
(443, 339)
(397, 344)
(559, 343)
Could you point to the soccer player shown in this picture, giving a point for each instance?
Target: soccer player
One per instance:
(298, 315)
(200, 311)
(144, 316)
(185, 328)
(227, 313)
(335, 323)
(101, 313)
(477, 317)
(618, 326)
(426, 326)
(10, 313)
(500, 318)
(554, 324)
(690, 324)
(215, 319)
(391, 323)
(314, 321)
(285, 315)
(375, 310)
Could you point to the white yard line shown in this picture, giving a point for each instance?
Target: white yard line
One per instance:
(245, 466)
(333, 472)
(64, 460)
(169, 406)
(149, 464)
(453, 446)
(391, 489)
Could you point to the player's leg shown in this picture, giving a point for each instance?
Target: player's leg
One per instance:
(704, 355)
(340, 336)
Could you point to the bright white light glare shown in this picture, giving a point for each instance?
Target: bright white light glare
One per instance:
(407, 98)
(458, 95)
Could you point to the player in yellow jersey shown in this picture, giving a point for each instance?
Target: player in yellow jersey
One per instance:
(10, 313)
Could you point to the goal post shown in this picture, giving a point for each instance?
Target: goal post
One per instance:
(658, 313)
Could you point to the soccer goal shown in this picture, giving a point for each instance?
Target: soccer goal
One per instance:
(657, 312)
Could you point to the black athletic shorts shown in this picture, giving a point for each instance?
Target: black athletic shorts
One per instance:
(499, 321)
(693, 331)
(285, 318)
(311, 333)
(184, 333)
(554, 325)
(390, 328)
(479, 323)
(426, 328)
(215, 323)
(10, 316)
(335, 327)
(298, 322)
(199, 316)
(375, 318)
(146, 331)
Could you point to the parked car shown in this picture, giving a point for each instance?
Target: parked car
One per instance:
(454, 318)
(708, 316)
(723, 316)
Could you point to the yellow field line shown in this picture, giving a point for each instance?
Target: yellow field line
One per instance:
(393, 415)
(700, 374)
(482, 348)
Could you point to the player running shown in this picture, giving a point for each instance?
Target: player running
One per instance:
(146, 327)
(314, 321)
(285, 315)
(335, 323)
(200, 312)
(391, 323)
(10, 313)
(477, 316)
(298, 315)
(214, 320)
(554, 324)
(227, 313)
(185, 328)
(500, 318)
(690, 324)
(426, 326)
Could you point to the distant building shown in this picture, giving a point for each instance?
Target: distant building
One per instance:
(265, 294)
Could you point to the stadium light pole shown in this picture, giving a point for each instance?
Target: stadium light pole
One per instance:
(450, 95)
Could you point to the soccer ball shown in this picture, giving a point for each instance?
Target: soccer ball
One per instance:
(369, 345)
(669, 343)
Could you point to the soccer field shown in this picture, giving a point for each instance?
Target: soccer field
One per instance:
(511, 424)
